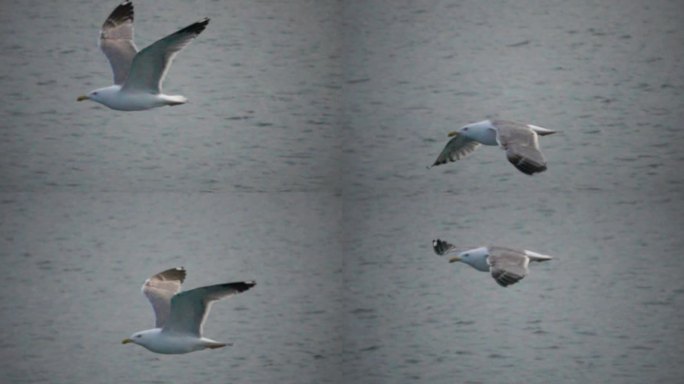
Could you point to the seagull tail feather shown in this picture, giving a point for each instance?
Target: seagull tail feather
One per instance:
(540, 130)
(534, 256)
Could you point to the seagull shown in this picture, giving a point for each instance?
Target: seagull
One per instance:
(507, 265)
(180, 315)
(138, 75)
(519, 140)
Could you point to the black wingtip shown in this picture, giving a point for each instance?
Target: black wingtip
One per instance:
(530, 169)
(121, 13)
(242, 286)
(174, 274)
(526, 166)
(440, 246)
(196, 28)
(204, 22)
(505, 281)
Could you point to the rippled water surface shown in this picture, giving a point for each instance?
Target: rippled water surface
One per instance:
(300, 162)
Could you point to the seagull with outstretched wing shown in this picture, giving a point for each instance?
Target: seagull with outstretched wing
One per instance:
(180, 315)
(138, 76)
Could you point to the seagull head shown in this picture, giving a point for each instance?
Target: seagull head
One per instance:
(463, 257)
(482, 131)
(100, 95)
(141, 338)
(476, 258)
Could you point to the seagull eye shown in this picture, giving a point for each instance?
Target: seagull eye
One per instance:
(94, 93)
(138, 336)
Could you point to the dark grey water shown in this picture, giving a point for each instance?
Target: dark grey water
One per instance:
(300, 162)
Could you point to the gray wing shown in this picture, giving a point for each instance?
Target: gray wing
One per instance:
(456, 149)
(442, 247)
(507, 266)
(159, 289)
(521, 145)
(151, 64)
(189, 309)
(116, 41)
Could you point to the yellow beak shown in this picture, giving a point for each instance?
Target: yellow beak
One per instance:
(454, 259)
(453, 133)
(81, 98)
(126, 341)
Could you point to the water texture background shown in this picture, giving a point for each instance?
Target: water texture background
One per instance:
(300, 162)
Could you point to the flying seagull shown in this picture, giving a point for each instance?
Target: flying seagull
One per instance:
(138, 76)
(180, 315)
(507, 265)
(519, 140)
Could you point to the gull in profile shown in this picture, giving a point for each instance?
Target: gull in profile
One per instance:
(138, 76)
(519, 140)
(180, 315)
(507, 265)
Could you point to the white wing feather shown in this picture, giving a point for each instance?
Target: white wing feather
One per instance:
(150, 65)
(116, 41)
(189, 309)
(159, 289)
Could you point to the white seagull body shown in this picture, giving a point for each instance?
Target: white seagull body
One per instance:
(507, 265)
(180, 315)
(138, 76)
(519, 140)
